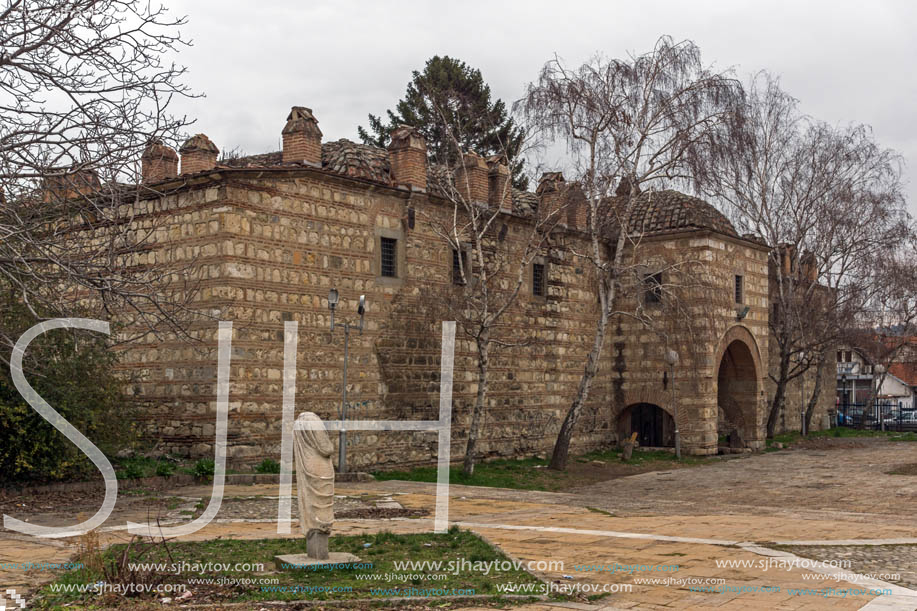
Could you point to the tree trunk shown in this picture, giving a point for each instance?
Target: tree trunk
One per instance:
(816, 391)
(562, 445)
(779, 394)
(478, 412)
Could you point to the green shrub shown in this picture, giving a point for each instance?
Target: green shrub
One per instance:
(72, 371)
(134, 471)
(164, 469)
(204, 468)
(268, 466)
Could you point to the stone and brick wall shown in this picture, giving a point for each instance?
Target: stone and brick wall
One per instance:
(267, 243)
(272, 244)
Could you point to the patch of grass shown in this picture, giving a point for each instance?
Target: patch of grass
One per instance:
(138, 492)
(785, 438)
(845, 432)
(268, 466)
(533, 474)
(505, 473)
(601, 511)
(137, 467)
(383, 550)
(134, 467)
(838, 432)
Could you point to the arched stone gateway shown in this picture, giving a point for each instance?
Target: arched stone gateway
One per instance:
(738, 381)
(654, 426)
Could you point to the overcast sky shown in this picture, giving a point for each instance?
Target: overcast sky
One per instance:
(845, 61)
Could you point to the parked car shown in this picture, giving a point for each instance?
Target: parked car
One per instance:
(904, 417)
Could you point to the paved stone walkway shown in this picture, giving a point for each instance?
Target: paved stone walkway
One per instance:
(715, 522)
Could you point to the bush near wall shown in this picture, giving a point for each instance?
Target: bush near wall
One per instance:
(72, 371)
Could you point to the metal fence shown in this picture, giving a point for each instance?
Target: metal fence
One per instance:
(881, 415)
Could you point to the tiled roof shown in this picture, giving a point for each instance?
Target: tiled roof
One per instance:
(264, 160)
(906, 372)
(525, 201)
(653, 211)
(340, 157)
(358, 160)
(668, 210)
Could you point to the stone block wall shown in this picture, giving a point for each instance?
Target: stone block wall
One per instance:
(273, 245)
(698, 318)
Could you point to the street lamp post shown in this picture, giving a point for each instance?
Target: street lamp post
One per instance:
(878, 370)
(844, 395)
(671, 357)
(342, 435)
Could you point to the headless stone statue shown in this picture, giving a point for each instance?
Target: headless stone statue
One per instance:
(312, 450)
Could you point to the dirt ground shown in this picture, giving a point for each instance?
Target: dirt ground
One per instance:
(826, 489)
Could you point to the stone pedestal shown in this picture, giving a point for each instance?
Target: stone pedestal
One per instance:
(317, 545)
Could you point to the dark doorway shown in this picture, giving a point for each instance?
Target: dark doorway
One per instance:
(737, 396)
(653, 425)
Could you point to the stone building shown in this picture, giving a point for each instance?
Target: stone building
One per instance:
(268, 235)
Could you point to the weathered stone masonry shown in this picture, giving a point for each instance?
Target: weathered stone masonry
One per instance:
(271, 234)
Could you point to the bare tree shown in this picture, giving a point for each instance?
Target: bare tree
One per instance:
(490, 263)
(630, 124)
(826, 199)
(884, 329)
(86, 86)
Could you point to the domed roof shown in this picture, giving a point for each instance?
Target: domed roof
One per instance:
(663, 211)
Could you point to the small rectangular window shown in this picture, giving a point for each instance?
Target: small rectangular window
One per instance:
(388, 256)
(459, 265)
(840, 356)
(538, 279)
(848, 357)
(739, 287)
(653, 288)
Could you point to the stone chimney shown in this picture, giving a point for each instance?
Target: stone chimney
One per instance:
(471, 178)
(500, 186)
(69, 185)
(198, 154)
(302, 139)
(408, 156)
(158, 162)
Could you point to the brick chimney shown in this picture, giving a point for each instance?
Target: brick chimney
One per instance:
(302, 139)
(408, 156)
(471, 178)
(786, 253)
(551, 191)
(500, 187)
(198, 154)
(69, 185)
(158, 162)
(808, 267)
